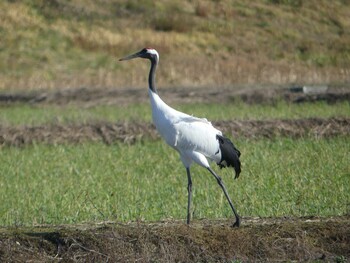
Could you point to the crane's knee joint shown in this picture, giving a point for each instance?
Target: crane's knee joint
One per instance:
(189, 187)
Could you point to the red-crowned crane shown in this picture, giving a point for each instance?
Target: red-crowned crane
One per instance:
(195, 139)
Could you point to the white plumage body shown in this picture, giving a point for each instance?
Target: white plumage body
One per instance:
(194, 138)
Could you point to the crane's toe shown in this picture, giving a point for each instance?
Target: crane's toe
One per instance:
(237, 223)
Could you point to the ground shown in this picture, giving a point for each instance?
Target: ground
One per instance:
(258, 239)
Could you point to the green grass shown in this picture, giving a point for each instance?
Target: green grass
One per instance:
(94, 182)
(35, 115)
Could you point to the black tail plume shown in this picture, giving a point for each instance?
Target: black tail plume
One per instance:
(229, 155)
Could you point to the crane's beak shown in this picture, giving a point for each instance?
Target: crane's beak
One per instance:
(136, 55)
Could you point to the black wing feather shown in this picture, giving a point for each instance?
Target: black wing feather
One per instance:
(229, 155)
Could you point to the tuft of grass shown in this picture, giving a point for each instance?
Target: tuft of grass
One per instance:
(168, 22)
(94, 182)
(292, 3)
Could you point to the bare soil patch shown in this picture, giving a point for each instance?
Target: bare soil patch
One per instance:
(258, 239)
(130, 132)
(91, 97)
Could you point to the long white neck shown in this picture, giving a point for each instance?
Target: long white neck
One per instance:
(158, 105)
(162, 114)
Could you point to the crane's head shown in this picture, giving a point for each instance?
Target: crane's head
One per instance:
(148, 53)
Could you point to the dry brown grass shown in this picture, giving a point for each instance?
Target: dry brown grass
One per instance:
(73, 44)
(259, 239)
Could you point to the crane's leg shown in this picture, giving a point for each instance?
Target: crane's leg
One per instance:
(221, 183)
(189, 188)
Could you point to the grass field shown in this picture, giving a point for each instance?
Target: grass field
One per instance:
(71, 184)
(22, 114)
(74, 183)
(92, 181)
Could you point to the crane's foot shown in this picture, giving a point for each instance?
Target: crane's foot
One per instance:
(237, 223)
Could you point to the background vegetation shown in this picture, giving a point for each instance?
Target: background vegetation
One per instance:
(61, 43)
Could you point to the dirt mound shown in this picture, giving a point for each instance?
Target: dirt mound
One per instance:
(92, 97)
(267, 240)
(130, 132)
(316, 127)
(75, 133)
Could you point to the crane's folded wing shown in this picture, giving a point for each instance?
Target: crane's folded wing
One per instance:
(198, 135)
